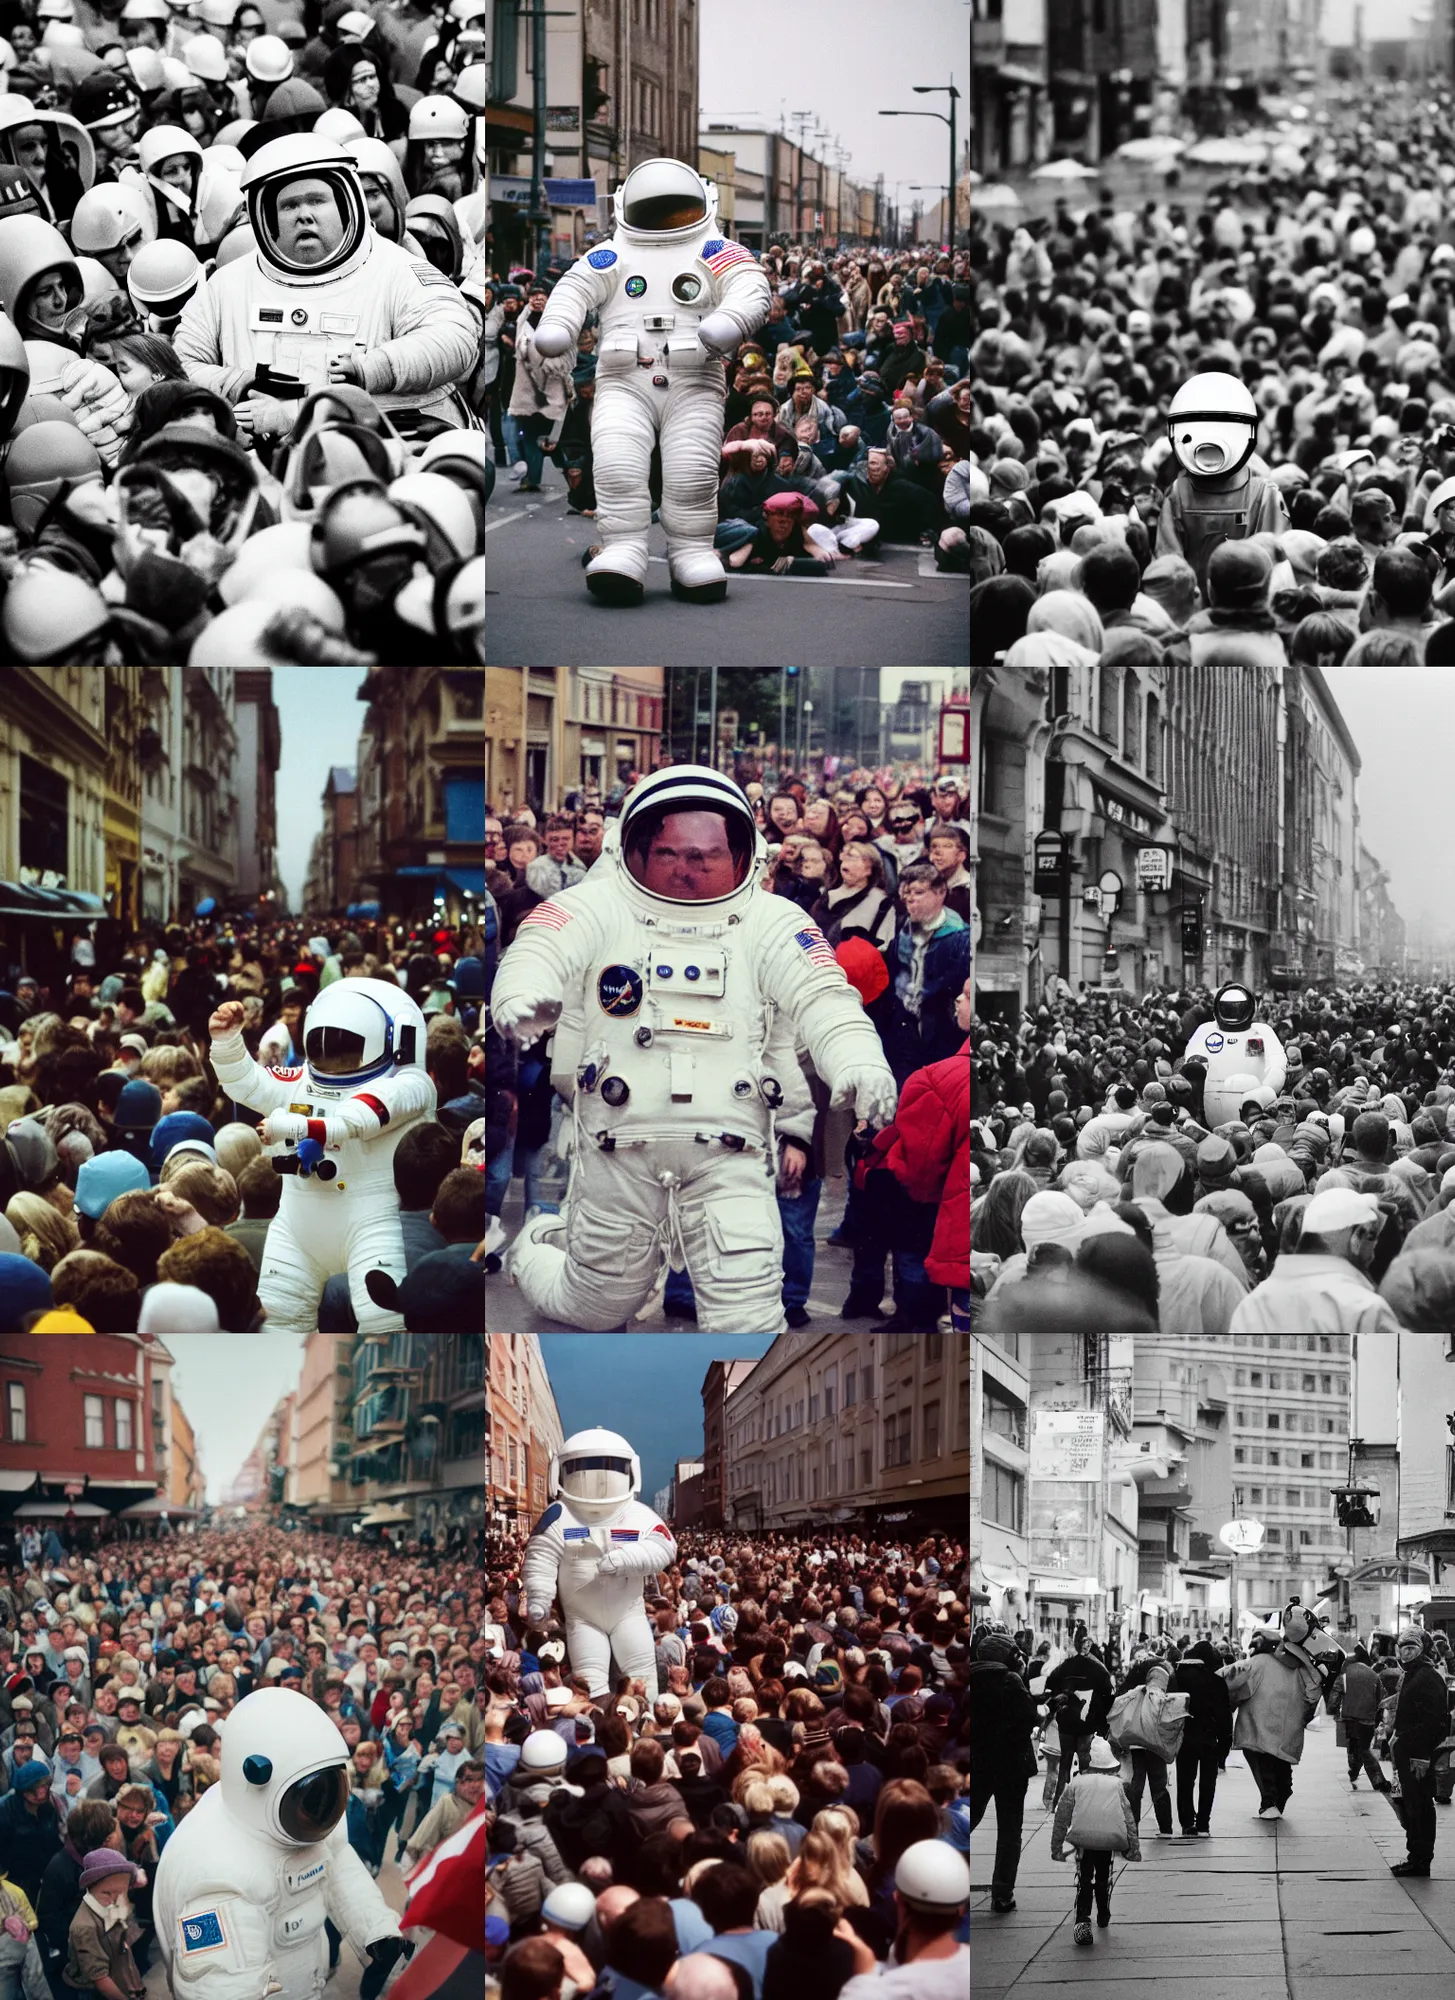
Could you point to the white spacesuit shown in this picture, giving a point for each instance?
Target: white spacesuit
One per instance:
(1241, 1055)
(591, 1548)
(686, 966)
(674, 296)
(399, 327)
(332, 1125)
(246, 1881)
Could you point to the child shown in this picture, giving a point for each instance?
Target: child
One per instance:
(101, 1930)
(1096, 1816)
(137, 360)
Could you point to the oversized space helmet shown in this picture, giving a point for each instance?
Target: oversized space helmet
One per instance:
(285, 1769)
(70, 151)
(664, 199)
(360, 1030)
(595, 1472)
(1213, 425)
(1234, 1008)
(687, 837)
(301, 156)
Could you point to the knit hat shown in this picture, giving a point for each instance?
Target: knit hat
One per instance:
(864, 968)
(1239, 577)
(1049, 1217)
(138, 1108)
(1101, 1756)
(108, 1175)
(102, 1863)
(1008, 475)
(177, 1127)
(24, 1288)
(36, 1772)
(63, 1320)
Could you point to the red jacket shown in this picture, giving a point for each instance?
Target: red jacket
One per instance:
(931, 1158)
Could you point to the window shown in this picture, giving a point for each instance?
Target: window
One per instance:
(1240, 1378)
(1326, 1426)
(1306, 1460)
(1240, 1416)
(1256, 1454)
(1326, 1383)
(1239, 1497)
(1275, 1380)
(1308, 1382)
(1255, 1494)
(1108, 705)
(1325, 1344)
(866, 1467)
(1273, 1420)
(896, 1439)
(123, 1424)
(934, 1347)
(1154, 740)
(1004, 1416)
(1274, 1457)
(95, 1423)
(1131, 720)
(868, 1381)
(1256, 1378)
(1275, 1534)
(932, 1430)
(15, 1411)
(830, 1393)
(1293, 1496)
(1003, 1497)
(849, 1380)
(1305, 1539)
(1239, 1455)
(1326, 1461)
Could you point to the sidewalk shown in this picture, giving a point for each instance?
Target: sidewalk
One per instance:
(1294, 1907)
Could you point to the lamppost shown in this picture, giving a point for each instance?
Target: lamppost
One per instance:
(921, 90)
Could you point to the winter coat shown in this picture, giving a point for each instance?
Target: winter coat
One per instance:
(1321, 1293)
(1095, 1815)
(542, 386)
(846, 912)
(1363, 1694)
(1422, 1712)
(1005, 1715)
(596, 1822)
(1276, 1697)
(1081, 1674)
(27, 1840)
(959, 494)
(652, 1809)
(1209, 1723)
(520, 1883)
(931, 1161)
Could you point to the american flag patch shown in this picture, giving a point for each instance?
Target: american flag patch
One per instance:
(550, 914)
(626, 1534)
(720, 257)
(816, 945)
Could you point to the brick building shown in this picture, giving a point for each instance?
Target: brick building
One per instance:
(76, 1417)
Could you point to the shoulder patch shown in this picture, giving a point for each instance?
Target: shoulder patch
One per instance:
(711, 249)
(548, 1519)
(428, 275)
(601, 260)
(287, 1075)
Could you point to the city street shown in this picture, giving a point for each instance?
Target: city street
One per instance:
(869, 612)
(1298, 1907)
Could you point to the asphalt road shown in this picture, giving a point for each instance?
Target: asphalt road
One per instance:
(895, 612)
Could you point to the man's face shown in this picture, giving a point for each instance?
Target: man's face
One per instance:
(760, 419)
(589, 836)
(922, 903)
(28, 149)
(945, 854)
(780, 525)
(689, 859)
(310, 227)
(558, 842)
(904, 824)
(380, 206)
(879, 464)
(522, 853)
(494, 844)
(1379, 521)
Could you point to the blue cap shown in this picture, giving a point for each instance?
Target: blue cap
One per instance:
(139, 1106)
(24, 1288)
(105, 1176)
(33, 1773)
(174, 1128)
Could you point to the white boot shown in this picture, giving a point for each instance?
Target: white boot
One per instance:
(619, 574)
(697, 573)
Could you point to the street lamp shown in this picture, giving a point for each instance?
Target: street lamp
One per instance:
(922, 90)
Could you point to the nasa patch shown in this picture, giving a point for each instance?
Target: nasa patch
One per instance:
(1212, 1044)
(202, 1932)
(601, 260)
(619, 989)
(635, 287)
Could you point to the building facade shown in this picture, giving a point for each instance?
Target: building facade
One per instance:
(1183, 1436)
(259, 747)
(722, 1379)
(1319, 903)
(1381, 927)
(208, 856)
(77, 1418)
(1000, 1461)
(550, 731)
(427, 729)
(412, 1454)
(848, 1428)
(521, 1431)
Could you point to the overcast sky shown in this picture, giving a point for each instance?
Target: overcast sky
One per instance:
(228, 1383)
(320, 719)
(843, 60)
(646, 1386)
(1400, 719)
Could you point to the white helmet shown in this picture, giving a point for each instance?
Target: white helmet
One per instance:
(285, 1769)
(569, 1906)
(437, 118)
(106, 217)
(360, 1030)
(664, 198)
(700, 882)
(206, 58)
(1213, 425)
(543, 1750)
(933, 1878)
(1234, 1007)
(594, 1471)
(303, 156)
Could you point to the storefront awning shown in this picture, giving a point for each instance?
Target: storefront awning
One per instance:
(157, 1505)
(84, 1510)
(16, 1482)
(25, 899)
(1070, 1589)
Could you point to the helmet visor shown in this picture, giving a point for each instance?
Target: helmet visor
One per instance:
(596, 1478)
(1234, 1008)
(313, 1806)
(310, 220)
(663, 195)
(334, 1051)
(688, 854)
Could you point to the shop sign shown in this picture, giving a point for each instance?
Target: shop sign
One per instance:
(1068, 1444)
(1123, 815)
(1154, 868)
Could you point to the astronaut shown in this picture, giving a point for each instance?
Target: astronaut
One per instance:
(332, 1125)
(246, 1881)
(1217, 496)
(685, 966)
(323, 298)
(591, 1548)
(674, 296)
(1241, 1054)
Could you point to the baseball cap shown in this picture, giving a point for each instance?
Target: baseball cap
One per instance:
(1339, 1208)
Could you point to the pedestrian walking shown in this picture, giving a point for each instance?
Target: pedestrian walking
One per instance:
(1207, 1736)
(1002, 1761)
(1276, 1694)
(1421, 1723)
(1080, 1694)
(1363, 1696)
(1094, 1816)
(1143, 1767)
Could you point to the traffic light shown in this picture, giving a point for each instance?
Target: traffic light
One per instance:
(1191, 930)
(594, 92)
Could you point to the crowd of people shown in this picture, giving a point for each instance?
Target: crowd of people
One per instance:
(1324, 282)
(241, 267)
(120, 1663)
(1185, 1709)
(877, 862)
(1099, 1189)
(136, 1195)
(781, 1809)
(847, 415)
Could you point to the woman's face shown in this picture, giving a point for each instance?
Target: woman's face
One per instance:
(816, 815)
(813, 863)
(28, 150)
(442, 154)
(874, 803)
(175, 171)
(48, 300)
(381, 207)
(133, 375)
(783, 813)
(364, 86)
(854, 870)
(853, 825)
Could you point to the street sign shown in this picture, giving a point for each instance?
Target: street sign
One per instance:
(1052, 864)
(1241, 1536)
(1154, 868)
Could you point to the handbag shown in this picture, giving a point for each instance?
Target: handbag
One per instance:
(1147, 1718)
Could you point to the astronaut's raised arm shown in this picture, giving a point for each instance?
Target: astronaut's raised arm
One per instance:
(585, 289)
(744, 294)
(352, 1899)
(246, 1081)
(799, 974)
(222, 1948)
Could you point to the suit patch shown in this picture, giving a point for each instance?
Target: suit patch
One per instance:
(204, 1932)
(548, 1519)
(430, 276)
(1212, 1043)
(660, 1530)
(577, 1534)
(626, 1534)
(302, 1110)
(619, 989)
(635, 287)
(380, 1111)
(601, 260)
(287, 1075)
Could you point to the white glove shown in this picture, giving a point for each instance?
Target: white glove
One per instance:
(527, 1020)
(282, 1128)
(611, 1563)
(720, 332)
(872, 1091)
(551, 339)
